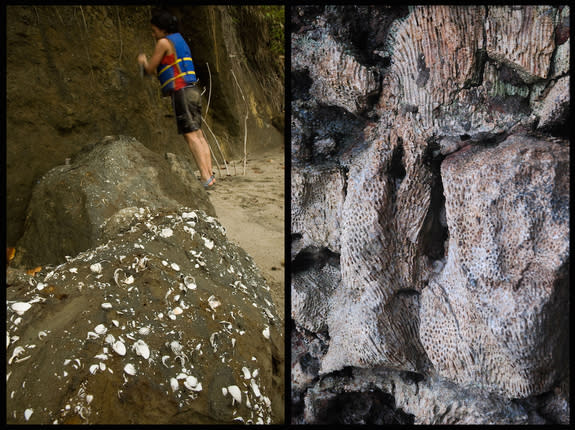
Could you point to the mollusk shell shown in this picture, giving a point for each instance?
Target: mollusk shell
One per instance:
(100, 329)
(234, 390)
(20, 307)
(141, 349)
(130, 369)
(119, 347)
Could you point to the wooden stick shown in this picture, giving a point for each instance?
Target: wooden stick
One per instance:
(245, 122)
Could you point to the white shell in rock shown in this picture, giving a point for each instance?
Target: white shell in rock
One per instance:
(129, 280)
(110, 339)
(208, 243)
(144, 331)
(190, 282)
(96, 268)
(17, 351)
(28, 413)
(166, 232)
(255, 388)
(191, 382)
(266, 332)
(224, 391)
(94, 368)
(177, 310)
(89, 398)
(235, 392)
(176, 347)
(141, 349)
(197, 387)
(100, 329)
(175, 267)
(21, 307)
(119, 347)
(213, 302)
(247, 374)
(130, 369)
(174, 384)
(106, 305)
(7, 339)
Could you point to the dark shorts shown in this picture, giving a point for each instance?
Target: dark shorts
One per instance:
(187, 104)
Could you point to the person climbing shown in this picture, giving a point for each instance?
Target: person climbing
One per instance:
(172, 63)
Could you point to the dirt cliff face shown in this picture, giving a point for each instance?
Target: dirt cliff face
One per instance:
(72, 78)
(430, 213)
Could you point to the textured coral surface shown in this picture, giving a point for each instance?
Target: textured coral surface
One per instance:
(430, 159)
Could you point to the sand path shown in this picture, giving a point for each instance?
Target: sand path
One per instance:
(251, 208)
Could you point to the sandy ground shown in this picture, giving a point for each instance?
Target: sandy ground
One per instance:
(251, 208)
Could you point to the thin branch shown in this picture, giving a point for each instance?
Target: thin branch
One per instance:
(210, 90)
(120, 32)
(87, 47)
(245, 122)
(218, 145)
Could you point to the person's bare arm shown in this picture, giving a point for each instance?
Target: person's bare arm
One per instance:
(162, 47)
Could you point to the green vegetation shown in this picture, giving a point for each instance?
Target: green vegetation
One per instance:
(275, 16)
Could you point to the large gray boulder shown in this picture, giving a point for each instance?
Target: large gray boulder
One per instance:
(71, 204)
(167, 322)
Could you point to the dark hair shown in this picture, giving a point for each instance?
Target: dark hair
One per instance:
(164, 20)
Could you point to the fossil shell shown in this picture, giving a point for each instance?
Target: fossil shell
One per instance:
(187, 215)
(255, 388)
(17, 351)
(94, 368)
(119, 347)
(266, 332)
(177, 310)
(144, 331)
(208, 243)
(89, 398)
(106, 305)
(28, 413)
(96, 268)
(166, 232)
(175, 267)
(141, 349)
(21, 307)
(176, 347)
(174, 384)
(213, 302)
(247, 374)
(190, 282)
(191, 383)
(100, 329)
(235, 392)
(130, 369)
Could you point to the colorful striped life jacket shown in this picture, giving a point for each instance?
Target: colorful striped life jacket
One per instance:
(176, 71)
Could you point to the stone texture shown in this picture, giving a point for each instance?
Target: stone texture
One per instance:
(317, 200)
(311, 295)
(523, 37)
(554, 108)
(454, 87)
(338, 78)
(71, 203)
(209, 315)
(500, 304)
